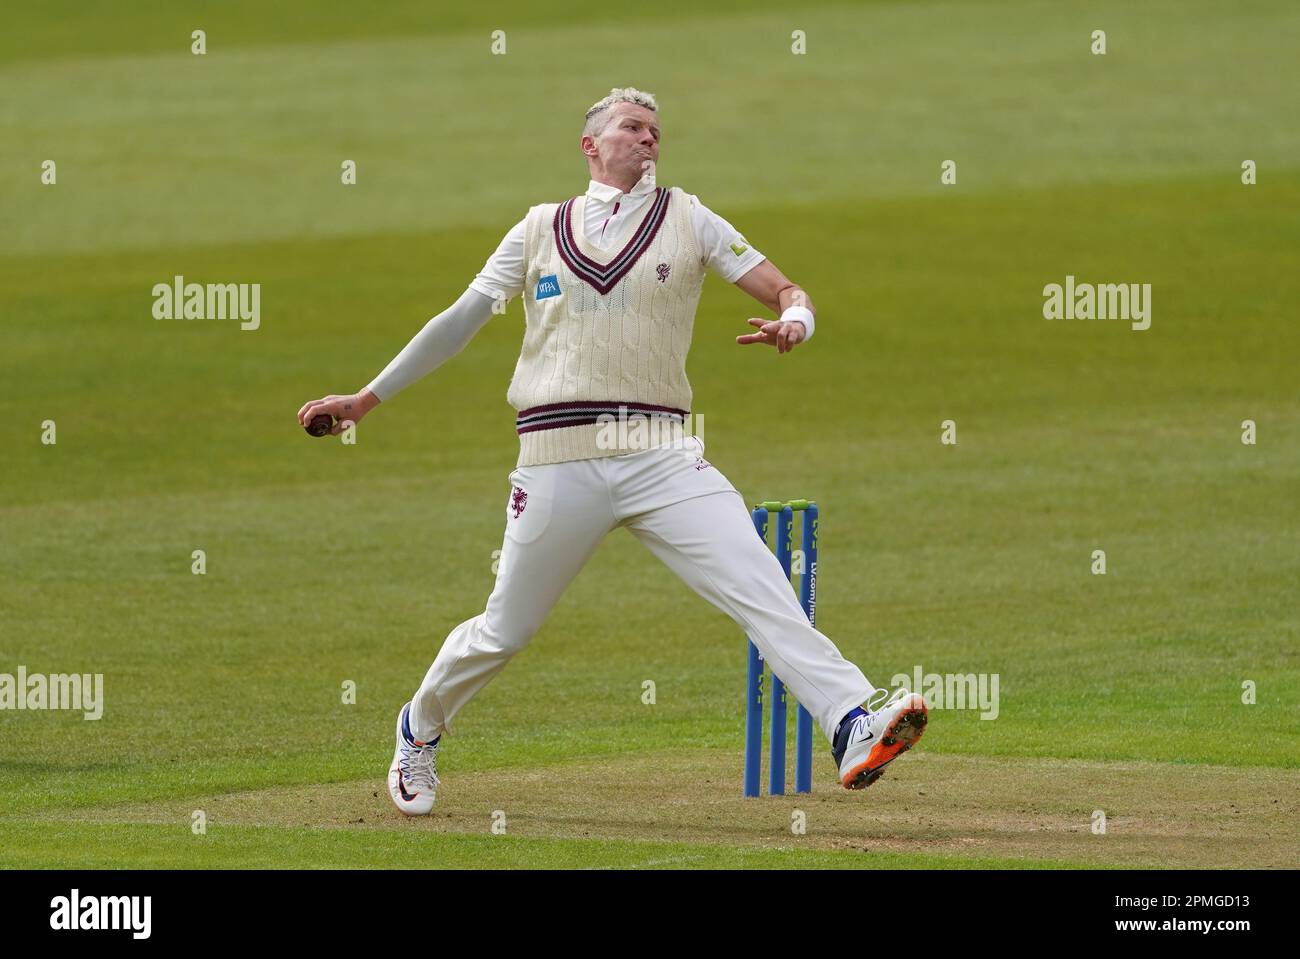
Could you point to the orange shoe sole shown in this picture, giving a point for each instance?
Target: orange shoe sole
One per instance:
(899, 737)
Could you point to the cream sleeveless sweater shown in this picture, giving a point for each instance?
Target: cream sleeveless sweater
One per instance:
(606, 332)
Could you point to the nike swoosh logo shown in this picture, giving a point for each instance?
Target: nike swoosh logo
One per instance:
(865, 739)
(401, 788)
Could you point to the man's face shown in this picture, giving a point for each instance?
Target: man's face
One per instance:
(630, 139)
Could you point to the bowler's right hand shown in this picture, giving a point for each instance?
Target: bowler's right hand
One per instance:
(343, 408)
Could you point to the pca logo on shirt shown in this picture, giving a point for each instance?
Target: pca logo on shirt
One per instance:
(548, 286)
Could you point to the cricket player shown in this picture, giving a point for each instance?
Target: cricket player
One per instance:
(610, 281)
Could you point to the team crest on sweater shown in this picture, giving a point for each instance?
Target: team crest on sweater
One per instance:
(662, 271)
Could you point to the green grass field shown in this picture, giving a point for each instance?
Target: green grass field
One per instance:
(327, 563)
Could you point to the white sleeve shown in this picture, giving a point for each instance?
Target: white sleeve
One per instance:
(725, 251)
(503, 274)
(442, 338)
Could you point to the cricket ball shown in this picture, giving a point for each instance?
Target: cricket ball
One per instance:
(320, 424)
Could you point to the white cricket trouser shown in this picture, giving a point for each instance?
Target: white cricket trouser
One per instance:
(686, 513)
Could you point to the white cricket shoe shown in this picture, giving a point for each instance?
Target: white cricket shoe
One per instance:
(866, 744)
(412, 780)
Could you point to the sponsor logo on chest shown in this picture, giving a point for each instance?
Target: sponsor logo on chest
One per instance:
(548, 285)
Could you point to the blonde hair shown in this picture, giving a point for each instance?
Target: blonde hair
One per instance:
(598, 116)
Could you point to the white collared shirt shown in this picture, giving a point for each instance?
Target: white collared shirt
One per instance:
(609, 216)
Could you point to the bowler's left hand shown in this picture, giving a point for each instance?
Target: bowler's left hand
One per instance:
(784, 335)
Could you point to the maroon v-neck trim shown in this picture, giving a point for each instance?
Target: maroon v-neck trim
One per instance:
(603, 277)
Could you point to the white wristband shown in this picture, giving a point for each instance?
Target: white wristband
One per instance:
(803, 315)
